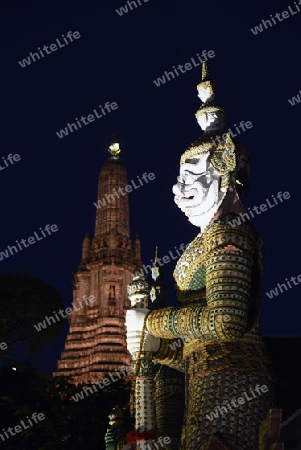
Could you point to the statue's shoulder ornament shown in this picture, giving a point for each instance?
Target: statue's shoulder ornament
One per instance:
(223, 232)
(217, 236)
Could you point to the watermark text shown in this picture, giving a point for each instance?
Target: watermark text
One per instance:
(279, 16)
(42, 325)
(292, 101)
(287, 285)
(31, 240)
(243, 126)
(182, 68)
(53, 48)
(86, 119)
(259, 209)
(129, 188)
(124, 9)
(19, 428)
(236, 402)
(9, 160)
(166, 259)
(123, 372)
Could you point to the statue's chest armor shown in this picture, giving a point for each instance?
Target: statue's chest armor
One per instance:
(190, 272)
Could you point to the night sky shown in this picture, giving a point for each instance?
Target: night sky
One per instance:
(115, 59)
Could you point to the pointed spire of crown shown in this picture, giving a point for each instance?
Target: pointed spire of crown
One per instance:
(206, 89)
(205, 71)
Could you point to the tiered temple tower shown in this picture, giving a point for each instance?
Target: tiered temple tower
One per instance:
(96, 343)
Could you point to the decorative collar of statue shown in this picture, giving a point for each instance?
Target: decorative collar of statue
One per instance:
(213, 165)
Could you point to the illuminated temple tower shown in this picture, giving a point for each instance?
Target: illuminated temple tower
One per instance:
(96, 343)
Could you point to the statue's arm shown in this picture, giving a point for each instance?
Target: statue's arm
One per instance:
(229, 259)
(170, 353)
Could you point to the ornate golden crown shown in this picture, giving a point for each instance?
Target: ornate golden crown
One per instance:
(222, 153)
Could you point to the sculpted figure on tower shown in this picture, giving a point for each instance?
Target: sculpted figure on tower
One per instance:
(228, 381)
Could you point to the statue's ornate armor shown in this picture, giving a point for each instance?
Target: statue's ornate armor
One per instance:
(228, 381)
(219, 281)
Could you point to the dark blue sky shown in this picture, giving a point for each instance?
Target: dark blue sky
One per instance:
(116, 59)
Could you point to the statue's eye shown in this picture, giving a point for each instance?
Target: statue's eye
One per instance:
(188, 178)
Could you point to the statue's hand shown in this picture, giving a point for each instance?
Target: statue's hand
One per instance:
(110, 436)
(134, 323)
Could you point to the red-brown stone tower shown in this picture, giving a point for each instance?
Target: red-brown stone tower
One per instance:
(96, 343)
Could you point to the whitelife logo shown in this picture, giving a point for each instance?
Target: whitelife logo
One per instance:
(166, 259)
(259, 209)
(90, 118)
(274, 292)
(123, 372)
(53, 48)
(17, 428)
(293, 101)
(42, 325)
(124, 9)
(285, 15)
(243, 126)
(240, 400)
(3, 346)
(111, 197)
(183, 68)
(11, 158)
(31, 240)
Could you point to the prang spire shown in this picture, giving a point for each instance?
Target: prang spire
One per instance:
(113, 214)
(96, 343)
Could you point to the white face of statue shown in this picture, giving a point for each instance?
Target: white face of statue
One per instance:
(197, 191)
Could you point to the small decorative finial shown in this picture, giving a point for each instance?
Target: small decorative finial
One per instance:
(138, 292)
(155, 268)
(158, 293)
(114, 148)
(205, 71)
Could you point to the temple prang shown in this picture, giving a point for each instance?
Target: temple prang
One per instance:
(96, 341)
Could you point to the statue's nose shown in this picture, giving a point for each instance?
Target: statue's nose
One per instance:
(176, 189)
(181, 186)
